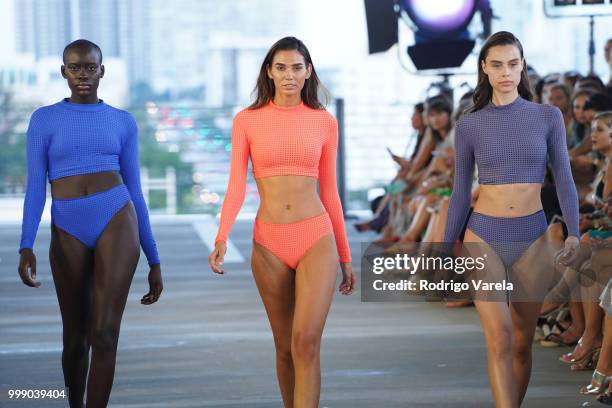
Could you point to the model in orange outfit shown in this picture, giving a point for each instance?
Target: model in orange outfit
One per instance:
(292, 141)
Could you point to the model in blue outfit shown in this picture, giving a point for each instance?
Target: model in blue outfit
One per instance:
(511, 140)
(88, 150)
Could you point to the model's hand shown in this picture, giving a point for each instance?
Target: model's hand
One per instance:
(27, 268)
(215, 259)
(570, 252)
(155, 286)
(348, 279)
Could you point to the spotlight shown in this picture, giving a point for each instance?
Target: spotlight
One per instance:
(440, 18)
(441, 37)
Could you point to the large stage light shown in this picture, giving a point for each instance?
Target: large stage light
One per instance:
(440, 18)
(441, 36)
(440, 27)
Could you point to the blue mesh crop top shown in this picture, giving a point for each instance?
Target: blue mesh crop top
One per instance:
(68, 139)
(510, 144)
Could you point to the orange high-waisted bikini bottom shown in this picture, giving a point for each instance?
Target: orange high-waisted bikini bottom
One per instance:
(289, 242)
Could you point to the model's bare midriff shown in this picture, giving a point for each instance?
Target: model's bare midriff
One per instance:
(509, 200)
(287, 199)
(84, 184)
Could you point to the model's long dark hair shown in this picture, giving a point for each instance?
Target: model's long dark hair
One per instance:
(484, 90)
(264, 89)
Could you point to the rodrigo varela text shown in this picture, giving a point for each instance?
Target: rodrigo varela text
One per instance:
(451, 285)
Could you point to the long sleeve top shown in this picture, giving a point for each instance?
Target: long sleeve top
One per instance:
(280, 140)
(68, 139)
(510, 144)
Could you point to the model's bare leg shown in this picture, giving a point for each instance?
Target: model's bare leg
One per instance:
(72, 269)
(496, 321)
(315, 281)
(276, 284)
(532, 275)
(116, 257)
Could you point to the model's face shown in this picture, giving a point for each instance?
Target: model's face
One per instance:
(503, 66)
(557, 98)
(578, 108)
(438, 120)
(83, 71)
(417, 120)
(600, 136)
(289, 72)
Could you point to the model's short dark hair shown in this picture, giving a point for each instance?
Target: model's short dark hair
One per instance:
(81, 45)
(419, 107)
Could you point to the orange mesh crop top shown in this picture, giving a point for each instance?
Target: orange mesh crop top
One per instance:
(295, 140)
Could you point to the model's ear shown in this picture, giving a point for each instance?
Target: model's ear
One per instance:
(268, 71)
(63, 71)
(101, 71)
(308, 71)
(484, 67)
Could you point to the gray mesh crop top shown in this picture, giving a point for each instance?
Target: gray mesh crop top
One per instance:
(510, 144)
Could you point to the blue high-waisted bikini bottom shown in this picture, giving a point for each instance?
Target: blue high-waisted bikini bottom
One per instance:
(86, 217)
(508, 237)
